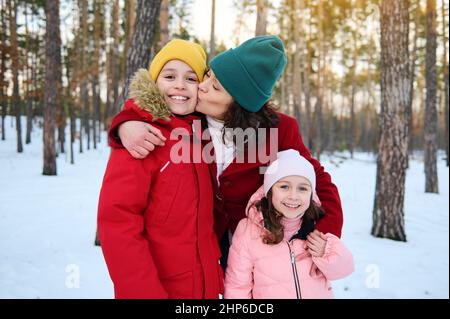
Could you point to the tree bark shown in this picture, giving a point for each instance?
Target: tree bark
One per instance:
(3, 93)
(164, 23)
(138, 56)
(212, 41)
(412, 62)
(430, 125)
(318, 147)
(70, 106)
(114, 67)
(297, 58)
(129, 22)
(388, 214)
(445, 74)
(14, 54)
(352, 133)
(308, 121)
(29, 81)
(96, 74)
(261, 17)
(83, 70)
(52, 83)
(60, 110)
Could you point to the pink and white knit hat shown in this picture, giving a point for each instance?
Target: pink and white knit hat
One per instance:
(289, 163)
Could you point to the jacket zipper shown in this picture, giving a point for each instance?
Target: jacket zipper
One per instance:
(294, 271)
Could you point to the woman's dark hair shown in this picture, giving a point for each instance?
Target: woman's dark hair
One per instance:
(238, 117)
(272, 220)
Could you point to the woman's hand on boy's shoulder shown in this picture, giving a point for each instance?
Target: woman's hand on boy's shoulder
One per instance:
(140, 138)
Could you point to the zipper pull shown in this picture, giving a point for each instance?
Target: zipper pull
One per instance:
(292, 253)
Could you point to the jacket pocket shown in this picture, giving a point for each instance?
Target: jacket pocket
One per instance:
(163, 195)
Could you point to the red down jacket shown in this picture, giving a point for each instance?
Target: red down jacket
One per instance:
(155, 223)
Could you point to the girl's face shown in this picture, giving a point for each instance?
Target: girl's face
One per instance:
(291, 196)
(213, 99)
(178, 83)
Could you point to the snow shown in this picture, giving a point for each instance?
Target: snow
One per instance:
(48, 223)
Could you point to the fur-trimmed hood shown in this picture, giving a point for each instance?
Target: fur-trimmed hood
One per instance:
(145, 93)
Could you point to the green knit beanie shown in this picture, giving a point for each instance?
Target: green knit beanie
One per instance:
(249, 72)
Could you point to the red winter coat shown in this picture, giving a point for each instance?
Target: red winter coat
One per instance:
(155, 223)
(239, 181)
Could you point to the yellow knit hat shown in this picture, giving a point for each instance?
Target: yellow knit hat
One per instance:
(189, 52)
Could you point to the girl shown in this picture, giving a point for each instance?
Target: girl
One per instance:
(276, 253)
(235, 93)
(155, 221)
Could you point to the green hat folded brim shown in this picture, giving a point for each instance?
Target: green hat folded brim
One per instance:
(236, 80)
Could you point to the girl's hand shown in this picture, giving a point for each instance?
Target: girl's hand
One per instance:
(140, 138)
(316, 242)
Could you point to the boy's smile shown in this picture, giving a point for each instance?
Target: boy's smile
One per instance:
(178, 84)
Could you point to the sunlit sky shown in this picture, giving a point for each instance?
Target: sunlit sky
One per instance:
(225, 22)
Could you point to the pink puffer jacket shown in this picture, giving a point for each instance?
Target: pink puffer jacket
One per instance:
(283, 271)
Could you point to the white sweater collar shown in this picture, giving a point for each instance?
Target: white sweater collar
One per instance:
(213, 123)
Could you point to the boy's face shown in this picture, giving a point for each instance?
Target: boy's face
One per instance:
(178, 83)
(291, 195)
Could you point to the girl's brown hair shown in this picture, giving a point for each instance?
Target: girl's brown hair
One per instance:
(272, 220)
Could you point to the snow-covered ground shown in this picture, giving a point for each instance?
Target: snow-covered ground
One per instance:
(47, 228)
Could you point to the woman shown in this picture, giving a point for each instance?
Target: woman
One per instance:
(235, 94)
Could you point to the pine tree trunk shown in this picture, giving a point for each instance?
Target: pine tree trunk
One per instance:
(319, 125)
(164, 23)
(308, 121)
(116, 63)
(28, 83)
(72, 131)
(319, 89)
(108, 103)
(61, 123)
(412, 62)
(212, 41)
(430, 125)
(14, 53)
(3, 95)
(97, 241)
(446, 112)
(261, 17)
(70, 107)
(113, 67)
(83, 69)
(52, 83)
(129, 17)
(445, 73)
(388, 214)
(87, 118)
(297, 59)
(29, 120)
(138, 55)
(352, 133)
(96, 74)
(94, 118)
